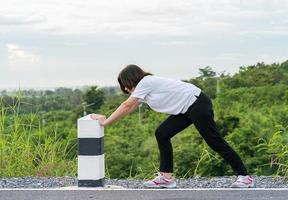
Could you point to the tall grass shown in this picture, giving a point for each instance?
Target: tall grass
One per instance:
(29, 149)
(276, 148)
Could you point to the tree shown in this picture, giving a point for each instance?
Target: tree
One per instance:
(206, 81)
(3, 93)
(206, 72)
(94, 96)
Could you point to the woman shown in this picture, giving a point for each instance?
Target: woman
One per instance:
(187, 105)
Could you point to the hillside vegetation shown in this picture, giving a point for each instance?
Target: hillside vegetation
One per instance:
(38, 133)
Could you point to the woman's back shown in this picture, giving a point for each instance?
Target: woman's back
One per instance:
(166, 95)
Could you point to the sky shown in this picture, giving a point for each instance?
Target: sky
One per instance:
(68, 43)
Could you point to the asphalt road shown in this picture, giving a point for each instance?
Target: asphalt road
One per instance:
(179, 194)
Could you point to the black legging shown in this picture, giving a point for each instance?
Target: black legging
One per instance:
(200, 113)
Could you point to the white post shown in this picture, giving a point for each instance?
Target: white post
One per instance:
(91, 169)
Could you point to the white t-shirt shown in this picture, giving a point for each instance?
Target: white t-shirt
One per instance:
(166, 95)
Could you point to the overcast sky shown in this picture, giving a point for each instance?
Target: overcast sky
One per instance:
(51, 43)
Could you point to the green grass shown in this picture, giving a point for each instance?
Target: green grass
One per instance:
(29, 149)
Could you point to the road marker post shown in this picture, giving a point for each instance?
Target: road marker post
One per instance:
(91, 167)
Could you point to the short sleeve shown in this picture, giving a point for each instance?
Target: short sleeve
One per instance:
(142, 89)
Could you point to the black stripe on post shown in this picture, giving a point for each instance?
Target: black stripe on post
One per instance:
(91, 146)
(91, 183)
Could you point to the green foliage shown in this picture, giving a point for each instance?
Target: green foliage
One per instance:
(209, 85)
(206, 72)
(38, 133)
(206, 81)
(93, 97)
(27, 148)
(274, 149)
(259, 75)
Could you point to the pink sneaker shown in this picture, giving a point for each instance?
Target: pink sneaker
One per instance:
(160, 182)
(243, 182)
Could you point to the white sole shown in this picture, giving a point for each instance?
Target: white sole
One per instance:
(249, 186)
(162, 186)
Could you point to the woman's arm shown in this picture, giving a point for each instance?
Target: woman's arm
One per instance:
(125, 108)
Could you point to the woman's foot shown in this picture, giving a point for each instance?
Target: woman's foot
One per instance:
(243, 182)
(160, 181)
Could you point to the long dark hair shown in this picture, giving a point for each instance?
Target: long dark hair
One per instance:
(130, 76)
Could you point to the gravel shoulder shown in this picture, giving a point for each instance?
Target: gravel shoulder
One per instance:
(195, 182)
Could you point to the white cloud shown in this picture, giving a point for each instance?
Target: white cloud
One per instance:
(257, 57)
(173, 43)
(144, 17)
(79, 40)
(74, 44)
(20, 59)
(20, 19)
(232, 56)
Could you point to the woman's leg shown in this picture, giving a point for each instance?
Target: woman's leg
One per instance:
(202, 116)
(166, 130)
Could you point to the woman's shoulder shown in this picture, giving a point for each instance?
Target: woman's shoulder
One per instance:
(148, 80)
(155, 78)
(152, 78)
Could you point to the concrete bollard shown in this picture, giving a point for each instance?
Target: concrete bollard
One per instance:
(91, 168)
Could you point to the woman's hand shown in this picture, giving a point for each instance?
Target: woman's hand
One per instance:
(100, 118)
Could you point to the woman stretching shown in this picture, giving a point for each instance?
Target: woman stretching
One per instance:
(187, 105)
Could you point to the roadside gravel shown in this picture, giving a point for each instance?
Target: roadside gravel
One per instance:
(196, 182)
